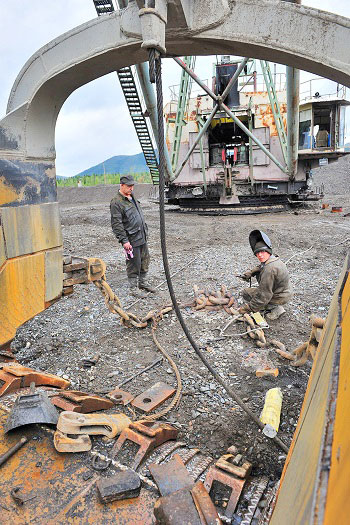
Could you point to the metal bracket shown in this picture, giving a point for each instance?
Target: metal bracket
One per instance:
(148, 435)
(153, 22)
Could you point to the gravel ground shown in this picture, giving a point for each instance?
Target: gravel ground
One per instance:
(210, 251)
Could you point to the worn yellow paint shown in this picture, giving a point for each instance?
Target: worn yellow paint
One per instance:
(2, 247)
(53, 274)
(338, 501)
(7, 193)
(22, 293)
(31, 228)
(299, 482)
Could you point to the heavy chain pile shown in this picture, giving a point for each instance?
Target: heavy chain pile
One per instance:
(127, 318)
(214, 300)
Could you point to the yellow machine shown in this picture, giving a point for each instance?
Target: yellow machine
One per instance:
(314, 483)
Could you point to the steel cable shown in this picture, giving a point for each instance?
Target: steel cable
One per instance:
(154, 55)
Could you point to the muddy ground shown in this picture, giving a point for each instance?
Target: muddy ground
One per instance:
(210, 251)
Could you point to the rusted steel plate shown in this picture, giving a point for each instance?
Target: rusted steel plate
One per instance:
(120, 397)
(177, 508)
(63, 486)
(28, 376)
(161, 453)
(171, 476)
(148, 435)
(226, 463)
(76, 401)
(10, 383)
(205, 507)
(153, 397)
(236, 485)
(123, 485)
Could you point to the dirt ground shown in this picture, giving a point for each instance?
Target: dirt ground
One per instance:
(209, 251)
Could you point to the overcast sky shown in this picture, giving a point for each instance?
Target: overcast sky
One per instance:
(94, 123)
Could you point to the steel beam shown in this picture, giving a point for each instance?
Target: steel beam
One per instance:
(254, 139)
(198, 138)
(217, 98)
(293, 98)
(151, 105)
(293, 83)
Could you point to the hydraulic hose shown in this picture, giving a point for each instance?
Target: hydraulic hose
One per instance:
(156, 66)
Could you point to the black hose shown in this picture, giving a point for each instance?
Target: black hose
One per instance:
(158, 76)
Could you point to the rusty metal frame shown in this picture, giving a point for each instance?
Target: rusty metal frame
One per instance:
(219, 104)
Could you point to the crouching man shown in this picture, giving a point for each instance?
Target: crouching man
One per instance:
(274, 288)
(130, 228)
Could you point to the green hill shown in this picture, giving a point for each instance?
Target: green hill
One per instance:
(118, 164)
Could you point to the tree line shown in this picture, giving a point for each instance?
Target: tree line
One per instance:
(108, 178)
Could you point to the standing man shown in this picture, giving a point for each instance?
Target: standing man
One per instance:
(274, 288)
(130, 228)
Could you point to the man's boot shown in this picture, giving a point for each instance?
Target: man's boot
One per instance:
(144, 285)
(135, 291)
(275, 313)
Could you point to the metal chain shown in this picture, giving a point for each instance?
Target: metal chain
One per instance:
(130, 320)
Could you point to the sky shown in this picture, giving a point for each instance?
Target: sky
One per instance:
(94, 123)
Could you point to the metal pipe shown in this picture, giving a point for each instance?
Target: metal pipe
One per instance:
(151, 105)
(250, 123)
(293, 83)
(293, 88)
(199, 136)
(203, 163)
(12, 450)
(254, 139)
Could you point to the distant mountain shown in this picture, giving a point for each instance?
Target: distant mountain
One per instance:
(118, 164)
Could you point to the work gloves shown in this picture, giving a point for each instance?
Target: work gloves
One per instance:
(245, 309)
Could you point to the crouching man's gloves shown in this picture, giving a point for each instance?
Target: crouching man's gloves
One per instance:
(246, 276)
(245, 309)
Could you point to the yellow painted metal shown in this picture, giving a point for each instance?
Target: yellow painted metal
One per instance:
(301, 474)
(338, 501)
(31, 228)
(22, 292)
(62, 485)
(53, 274)
(2, 248)
(7, 193)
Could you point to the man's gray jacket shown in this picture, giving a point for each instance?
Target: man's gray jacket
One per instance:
(274, 285)
(128, 222)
